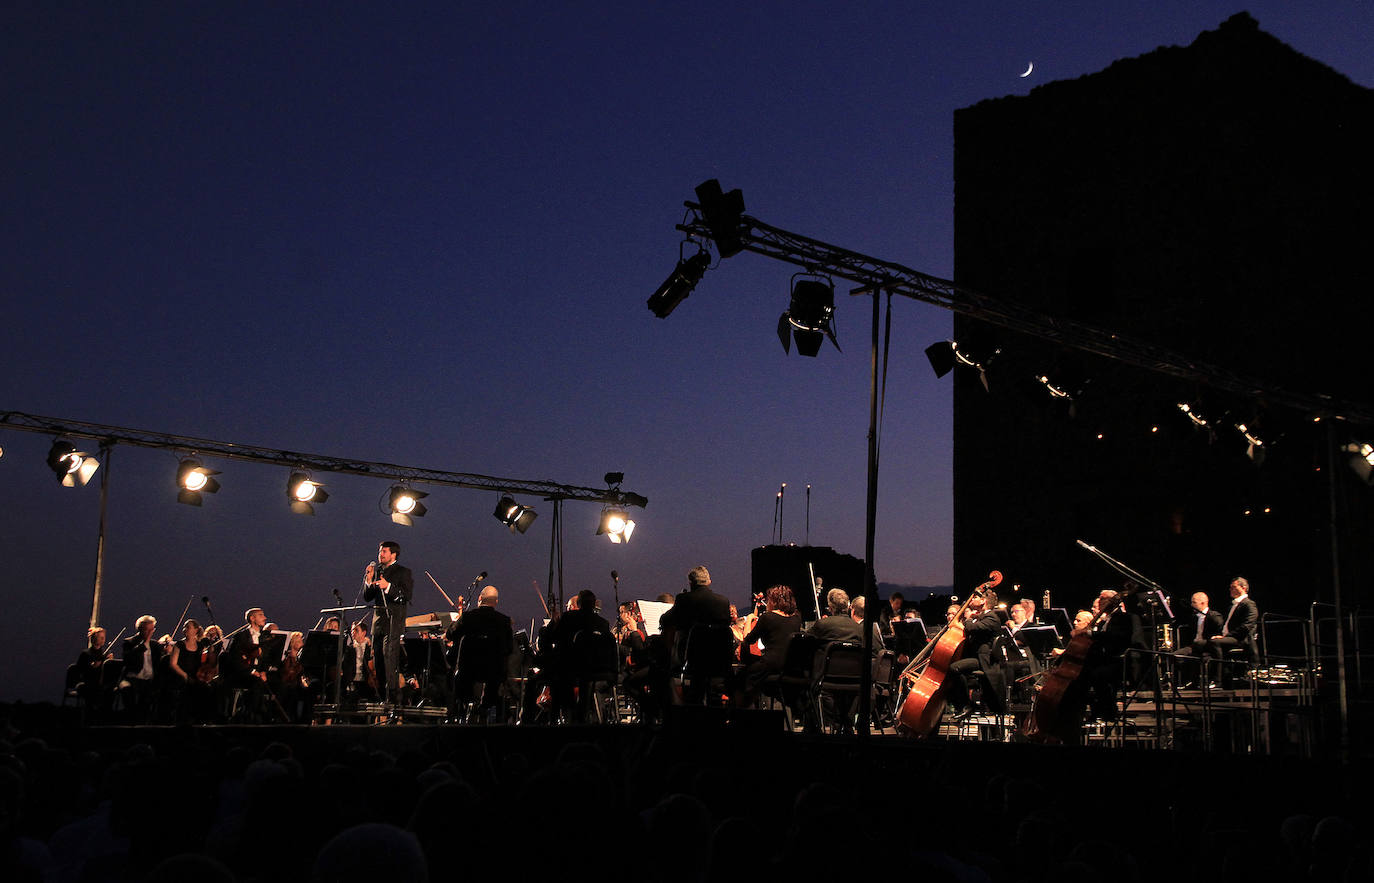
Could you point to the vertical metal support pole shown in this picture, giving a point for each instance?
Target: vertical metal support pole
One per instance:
(870, 526)
(555, 561)
(106, 454)
(1334, 528)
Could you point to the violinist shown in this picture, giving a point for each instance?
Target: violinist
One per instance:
(359, 669)
(774, 630)
(243, 663)
(142, 655)
(636, 661)
(296, 692)
(90, 662)
(188, 655)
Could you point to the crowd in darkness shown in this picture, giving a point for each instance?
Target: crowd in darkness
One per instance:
(662, 804)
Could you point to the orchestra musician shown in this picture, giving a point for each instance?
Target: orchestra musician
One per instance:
(1010, 658)
(1199, 629)
(1102, 672)
(389, 586)
(774, 630)
(142, 656)
(90, 664)
(359, 670)
(296, 691)
(982, 622)
(244, 662)
(194, 698)
(484, 640)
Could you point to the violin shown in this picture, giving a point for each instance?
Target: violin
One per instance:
(924, 702)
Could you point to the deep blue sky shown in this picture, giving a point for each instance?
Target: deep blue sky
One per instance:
(426, 237)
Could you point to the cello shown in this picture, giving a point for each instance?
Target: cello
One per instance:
(924, 702)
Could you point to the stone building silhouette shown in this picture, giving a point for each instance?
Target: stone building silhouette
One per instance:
(1216, 200)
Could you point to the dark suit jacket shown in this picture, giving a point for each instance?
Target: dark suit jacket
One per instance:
(838, 628)
(1241, 624)
(493, 629)
(693, 607)
(133, 650)
(1211, 626)
(402, 586)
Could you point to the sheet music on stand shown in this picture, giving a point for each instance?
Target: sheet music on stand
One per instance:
(653, 611)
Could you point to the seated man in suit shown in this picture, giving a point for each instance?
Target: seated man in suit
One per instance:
(699, 605)
(1195, 635)
(837, 625)
(142, 659)
(1241, 623)
(484, 640)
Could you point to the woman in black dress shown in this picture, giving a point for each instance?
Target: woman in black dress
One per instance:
(774, 629)
(193, 696)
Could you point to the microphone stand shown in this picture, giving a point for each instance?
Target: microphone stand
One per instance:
(1157, 590)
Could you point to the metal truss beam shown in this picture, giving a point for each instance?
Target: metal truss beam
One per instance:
(875, 274)
(109, 435)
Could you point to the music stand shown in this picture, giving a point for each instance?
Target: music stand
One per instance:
(1059, 618)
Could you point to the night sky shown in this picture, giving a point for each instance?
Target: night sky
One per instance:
(426, 237)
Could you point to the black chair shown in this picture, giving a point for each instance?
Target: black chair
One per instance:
(708, 658)
(885, 689)
(593, 665)
(837, 682)
(481, 661)
(792, 685)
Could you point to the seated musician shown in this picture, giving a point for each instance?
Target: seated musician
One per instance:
(837, 624)
(1195, 633)
(484, 640)
(243, 663)
(642, 683)
(296, 690)
(773, 630)
(1102, 670)
(856, 611)
(1238, 628)
(90, 663)
(359, 672)
(193, 695)
(982, 622)
(142, 656)
(1011, 659)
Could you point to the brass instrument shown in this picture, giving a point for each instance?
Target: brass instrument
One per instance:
(1166, 637)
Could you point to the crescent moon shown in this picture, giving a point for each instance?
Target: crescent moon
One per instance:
(1030, 66)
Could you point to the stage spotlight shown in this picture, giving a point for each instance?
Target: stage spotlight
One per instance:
(1194, 415)
(194, 480)
(945, 354)
(1361, 460)
(404, 505)
(514, 515)
(679, 283)
(616, 524)
(72, 467)
(723, 214)
(809, 317)
(1254, 445)
(304, 493)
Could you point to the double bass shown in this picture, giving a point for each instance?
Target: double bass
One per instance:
(1053, 720)
(925, 699)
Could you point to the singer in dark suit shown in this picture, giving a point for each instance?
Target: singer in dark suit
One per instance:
(389, 586)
